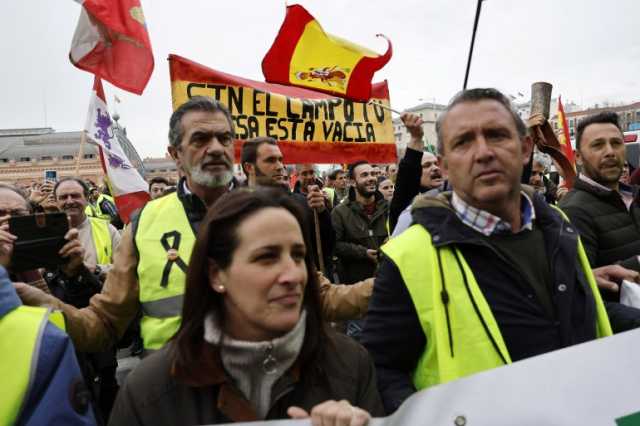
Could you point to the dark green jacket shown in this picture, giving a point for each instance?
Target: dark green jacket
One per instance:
(610, 233)
(355, 233)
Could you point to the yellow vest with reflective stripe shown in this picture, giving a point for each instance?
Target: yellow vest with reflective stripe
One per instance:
(21, 331)
(163, 226)
(101, 240)
(470, 348)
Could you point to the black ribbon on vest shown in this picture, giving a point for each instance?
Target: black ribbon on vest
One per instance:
(175, 245)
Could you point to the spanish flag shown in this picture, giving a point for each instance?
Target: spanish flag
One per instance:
(304, 55)
(564, 137)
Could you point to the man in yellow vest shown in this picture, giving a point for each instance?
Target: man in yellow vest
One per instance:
(487, 274)
(150, 265)
(98, 237)
(100, 205)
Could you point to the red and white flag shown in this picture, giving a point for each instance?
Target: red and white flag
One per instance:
(111, 41)
(128, 188)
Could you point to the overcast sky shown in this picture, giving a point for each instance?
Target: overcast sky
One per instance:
(589, 50)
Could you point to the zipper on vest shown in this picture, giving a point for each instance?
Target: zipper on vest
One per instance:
(444, 296)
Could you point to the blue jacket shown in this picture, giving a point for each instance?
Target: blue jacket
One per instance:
(58, 394)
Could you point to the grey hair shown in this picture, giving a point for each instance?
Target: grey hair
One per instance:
(543, 159)
(18, 191)
(196, 103)
(476, 95)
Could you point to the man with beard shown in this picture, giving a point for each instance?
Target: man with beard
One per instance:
(418, 170)
(150, 265)
(97, 236)
(360, 225)
(262, 163)
(605, 211)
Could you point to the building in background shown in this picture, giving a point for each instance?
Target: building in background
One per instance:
(629, 116)
(429, 111)
(127, 146)
(26, 153)
(164, 167)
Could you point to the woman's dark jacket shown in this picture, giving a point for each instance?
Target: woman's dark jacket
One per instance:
(158, 393)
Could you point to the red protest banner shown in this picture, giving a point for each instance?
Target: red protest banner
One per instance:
(311, 127)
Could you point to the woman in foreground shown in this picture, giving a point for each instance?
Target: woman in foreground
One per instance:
(252, 344)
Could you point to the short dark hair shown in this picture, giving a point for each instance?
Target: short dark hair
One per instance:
(334, 174)
(158, 179)
(250, 150)
(476, 95)
(196, 103)
(352, 167)
(216, 242)
(604, 117)
(83, 184)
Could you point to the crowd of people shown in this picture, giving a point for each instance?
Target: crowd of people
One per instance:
(290, 293)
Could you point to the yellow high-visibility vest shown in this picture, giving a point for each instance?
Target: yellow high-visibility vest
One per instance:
(417, 260)
(164, 239)
(101, 240)
(21, 332)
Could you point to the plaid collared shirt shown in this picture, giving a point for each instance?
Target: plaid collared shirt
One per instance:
(488, 224)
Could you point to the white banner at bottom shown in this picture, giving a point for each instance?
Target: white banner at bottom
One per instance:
(595, 383)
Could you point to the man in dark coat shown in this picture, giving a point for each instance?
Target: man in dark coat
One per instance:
(488, 274)
(360, 223)
(605, 211)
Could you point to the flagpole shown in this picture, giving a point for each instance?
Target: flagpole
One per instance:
(83, 139)
(385, 107)
(316, 221)
(473, 40)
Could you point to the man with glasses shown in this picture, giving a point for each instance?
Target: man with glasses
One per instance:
(72, 283)
(14, 203)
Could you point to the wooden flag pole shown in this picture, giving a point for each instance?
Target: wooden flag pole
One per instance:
(316, 222)
(384, 107)
(83, 140)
